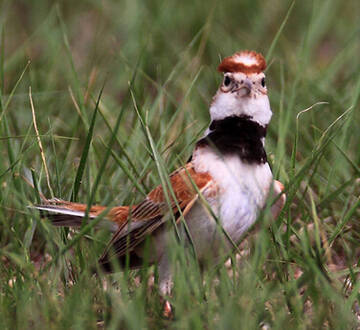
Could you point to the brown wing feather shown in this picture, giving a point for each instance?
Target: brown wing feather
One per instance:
(154, 205)
(148, 215)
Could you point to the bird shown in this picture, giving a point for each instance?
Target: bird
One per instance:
(218, 194)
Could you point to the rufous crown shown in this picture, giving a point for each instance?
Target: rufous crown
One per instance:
(245, 61)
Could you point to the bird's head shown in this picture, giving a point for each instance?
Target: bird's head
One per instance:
(243, 90)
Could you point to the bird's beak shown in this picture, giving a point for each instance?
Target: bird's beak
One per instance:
(244, 88)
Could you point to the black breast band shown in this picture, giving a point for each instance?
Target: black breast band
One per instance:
(237, 135)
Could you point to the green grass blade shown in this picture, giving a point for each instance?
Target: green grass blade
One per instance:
(85, 152)
(279, 31)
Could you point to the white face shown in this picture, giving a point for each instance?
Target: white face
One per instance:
(242, 94)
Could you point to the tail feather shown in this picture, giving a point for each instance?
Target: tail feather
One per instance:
(60, 219)
(66, 214)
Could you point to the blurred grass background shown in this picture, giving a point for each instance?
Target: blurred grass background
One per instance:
(300, 273)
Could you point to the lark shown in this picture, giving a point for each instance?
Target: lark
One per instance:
(219, 193)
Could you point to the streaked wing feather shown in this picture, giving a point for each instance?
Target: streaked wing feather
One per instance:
(121, 244)
(152, 210)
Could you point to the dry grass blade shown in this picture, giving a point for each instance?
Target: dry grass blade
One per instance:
(40, 144)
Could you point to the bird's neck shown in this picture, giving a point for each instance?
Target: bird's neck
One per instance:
(237, 135)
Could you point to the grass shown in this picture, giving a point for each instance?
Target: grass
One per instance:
(156, 61)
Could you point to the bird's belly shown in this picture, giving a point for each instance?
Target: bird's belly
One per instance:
(209, 231)
(242, 193)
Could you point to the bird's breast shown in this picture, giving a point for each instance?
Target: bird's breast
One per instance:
(242, 192)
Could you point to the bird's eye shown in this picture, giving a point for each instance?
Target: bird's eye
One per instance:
(227, 81)
(263, 82)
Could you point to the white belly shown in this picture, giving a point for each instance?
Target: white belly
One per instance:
(243, 189)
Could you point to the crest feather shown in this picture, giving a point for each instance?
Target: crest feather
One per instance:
(245, 61)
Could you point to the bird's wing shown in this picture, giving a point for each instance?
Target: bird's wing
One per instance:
(150, 213)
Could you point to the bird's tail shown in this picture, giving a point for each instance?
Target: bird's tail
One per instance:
(67, 214)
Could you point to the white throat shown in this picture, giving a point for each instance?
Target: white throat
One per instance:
(227, 104)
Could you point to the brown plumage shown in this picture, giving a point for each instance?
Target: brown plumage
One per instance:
(246, 62)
